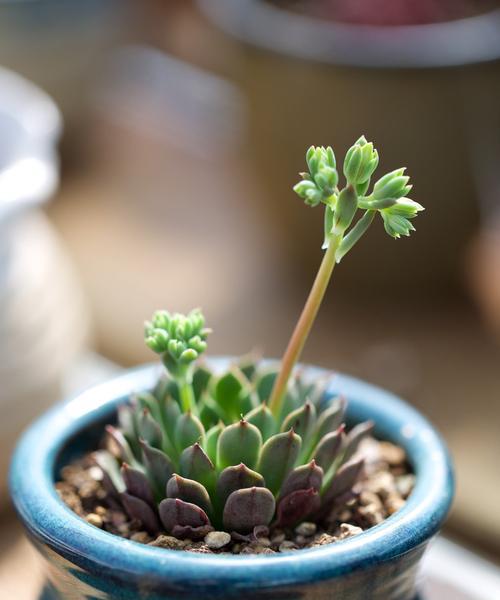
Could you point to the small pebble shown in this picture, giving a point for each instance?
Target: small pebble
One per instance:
(322, 539)
(142, 537)
(287, 546)
(94, 519)
(217, 539)
(168, 541)
(405, 484)
(306, 529)
(277, 538)
(393, 455)
(347, 530)
(394, 503)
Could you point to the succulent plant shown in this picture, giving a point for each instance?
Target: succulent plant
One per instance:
(227, 461)
(255, 445)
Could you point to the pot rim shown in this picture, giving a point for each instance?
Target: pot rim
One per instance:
(52, 523)
(451, 43)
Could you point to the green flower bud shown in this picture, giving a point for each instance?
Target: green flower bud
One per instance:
(404, 207)
(360, 162)
(396, 226)
(392, 185)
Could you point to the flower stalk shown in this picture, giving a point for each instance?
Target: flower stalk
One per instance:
(319, 185)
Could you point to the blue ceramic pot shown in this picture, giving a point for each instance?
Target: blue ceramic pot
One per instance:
(86, 562)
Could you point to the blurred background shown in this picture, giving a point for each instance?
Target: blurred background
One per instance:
(147, 154)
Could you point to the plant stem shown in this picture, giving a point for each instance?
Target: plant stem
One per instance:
(304, 325)
(187, 396)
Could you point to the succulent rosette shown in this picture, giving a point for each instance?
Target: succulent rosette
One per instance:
(225, 461)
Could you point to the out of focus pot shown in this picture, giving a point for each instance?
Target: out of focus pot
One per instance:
(409, 88)
(43, 322)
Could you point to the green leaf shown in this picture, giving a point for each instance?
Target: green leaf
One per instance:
(159, 467)
(239, 443)
(195, 464)
(236, 478)
(265, 382)
(301, 420)
(229, 392)
(189, 490)
(264, 420)
(189, 430)
(278, 458)
(211, 440)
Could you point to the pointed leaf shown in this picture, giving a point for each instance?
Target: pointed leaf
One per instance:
(303, 478)
(118, 445)
(247, 508)
(189, 491)
(201, 379)
(195, 464)
(297, 506)
(301, 420)
(137, 484)
(237, 478)
(229, 392)
(138, 509)
(211, 440)
(265, 382)
(344, 480)
(149, 401)
(263, 419)
(175, 512)
(331, 418)
(112, 479)
(278, 457)
(149, 430)
(329, 448)
(189, 430)
(239, 443)
(248, 365)
(158, 465)
(355, 436)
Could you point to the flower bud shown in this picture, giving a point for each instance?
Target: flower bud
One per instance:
(392, 185)
(360, 162)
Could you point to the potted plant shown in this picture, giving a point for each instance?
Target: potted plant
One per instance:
(241, 478)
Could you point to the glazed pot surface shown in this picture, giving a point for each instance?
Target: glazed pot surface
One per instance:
(86, 562)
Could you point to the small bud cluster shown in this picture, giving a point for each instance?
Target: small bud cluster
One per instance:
(320, 185)
(179, 339)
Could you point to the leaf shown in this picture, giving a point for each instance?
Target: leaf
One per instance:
(237, 478)
(138, 509)
(263, 419)
(248, 508)
(137, 484)
(195, 464)
(265, 382)
(175, 512)
(239, 443)
(189, 430)
(329, 448)
(297, 506)
(189, 491)
(112, 479)
(344, 480)
(201, 379)
(278, 457)
(149, 430)
(301, 420)
(303, 478)
(158, 465)
(229, 392)
(118, 446)
(211, 440)
(354, 437)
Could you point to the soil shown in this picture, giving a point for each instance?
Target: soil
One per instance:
(387, 483)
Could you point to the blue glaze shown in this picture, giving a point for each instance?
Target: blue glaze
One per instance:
(85, 562)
